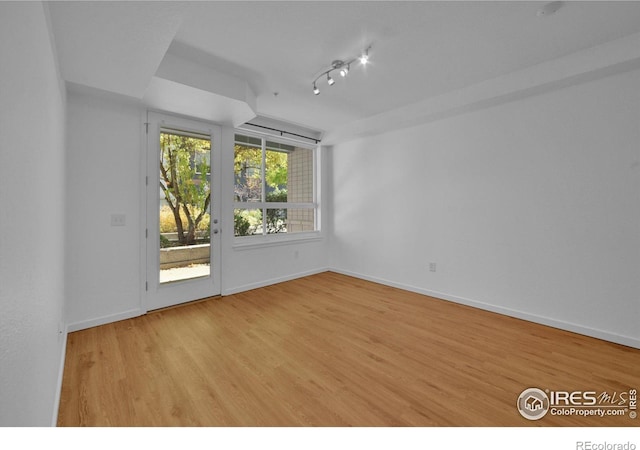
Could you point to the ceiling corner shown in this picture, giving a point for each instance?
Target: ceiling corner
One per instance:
(114, 46)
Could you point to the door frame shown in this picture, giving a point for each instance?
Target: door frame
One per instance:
(155, 294)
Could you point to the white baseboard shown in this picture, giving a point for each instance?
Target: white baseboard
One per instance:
(84, 324)
(63, 355)
(562, 325)
(250, 286)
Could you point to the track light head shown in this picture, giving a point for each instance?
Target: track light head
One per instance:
(364, 58)
(330, 80)
(316, 91)
(344, 71)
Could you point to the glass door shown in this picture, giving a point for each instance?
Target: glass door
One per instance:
(182, 234)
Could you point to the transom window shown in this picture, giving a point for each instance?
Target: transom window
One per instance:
(274, 188)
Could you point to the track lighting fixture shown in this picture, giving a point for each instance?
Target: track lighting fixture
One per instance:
(342, 67)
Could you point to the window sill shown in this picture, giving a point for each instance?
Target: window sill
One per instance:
(253, 242)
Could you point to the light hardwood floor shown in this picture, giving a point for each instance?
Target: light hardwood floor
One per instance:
(331, 350)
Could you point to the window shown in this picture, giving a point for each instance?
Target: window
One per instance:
(274, 187)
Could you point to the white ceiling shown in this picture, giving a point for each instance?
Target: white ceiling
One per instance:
(113, 46)
(420, 49)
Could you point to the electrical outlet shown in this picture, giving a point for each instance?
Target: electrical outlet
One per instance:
(118, 220)
(432, 267)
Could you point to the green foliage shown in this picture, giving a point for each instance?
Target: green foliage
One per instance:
(246, 158)
(164, 242)
(241, 225)
(242, 217)
(276, 219)
(248, 171)
(277, 196)
(247, 166)
(277, 167)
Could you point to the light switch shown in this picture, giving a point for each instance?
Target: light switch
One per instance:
(118, 220)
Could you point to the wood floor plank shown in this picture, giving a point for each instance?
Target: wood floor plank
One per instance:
(331, 350)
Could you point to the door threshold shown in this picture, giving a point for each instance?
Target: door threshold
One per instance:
(180, 305)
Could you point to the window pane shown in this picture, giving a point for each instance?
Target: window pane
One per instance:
(202, 162)
(289, 174)
(300, 176)
(253, 141)
(299, 220)
(270, 176)
(185, 199)
(290, 220)
(276, 221)
(248, 172)
(276, 175)
(247, 222)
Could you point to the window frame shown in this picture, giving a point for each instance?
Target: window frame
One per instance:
(267, 239)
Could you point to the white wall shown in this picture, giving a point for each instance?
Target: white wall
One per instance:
(104, 267)
(32, 218)
(103, 177)
(530, 208)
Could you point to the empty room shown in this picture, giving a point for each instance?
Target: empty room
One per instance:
(320, 214)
